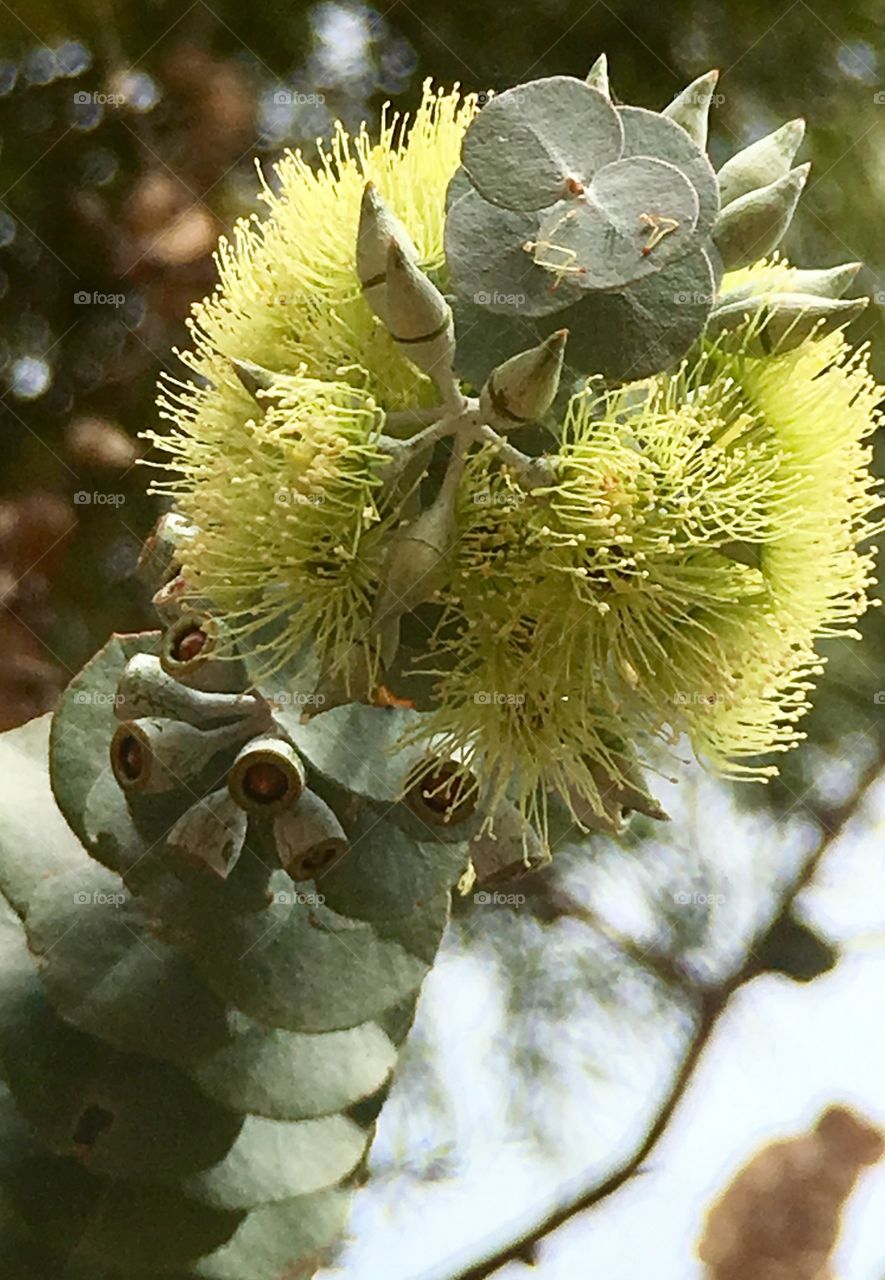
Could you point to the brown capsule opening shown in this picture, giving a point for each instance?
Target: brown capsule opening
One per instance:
(188, 643)
(317, 859)
(131, 757)
(442, 792)
(265, 783)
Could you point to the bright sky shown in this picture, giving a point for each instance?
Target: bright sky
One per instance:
(782, 1052)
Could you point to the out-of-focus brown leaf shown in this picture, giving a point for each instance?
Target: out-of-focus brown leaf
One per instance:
(779, 1219)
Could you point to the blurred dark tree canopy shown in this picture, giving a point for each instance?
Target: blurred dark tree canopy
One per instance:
(129, 134)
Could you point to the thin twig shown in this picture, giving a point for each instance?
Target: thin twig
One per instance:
(523, 1241)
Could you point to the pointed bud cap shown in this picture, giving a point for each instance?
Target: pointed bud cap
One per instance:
(377, 227)
(417, 562)
(254, 377)
(761, 163)
(691, 108)
(523, 388)
(597, 76)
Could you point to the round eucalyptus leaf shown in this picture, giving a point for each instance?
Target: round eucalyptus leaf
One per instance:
(288, 1076)
(291, 1237)
(484, 340)
(648, 133)
(526, 144)
(279, 1159)
(490, 264)
(356, 746)
(647, 327)
(636, 217)
(108, 974)
(302, 966)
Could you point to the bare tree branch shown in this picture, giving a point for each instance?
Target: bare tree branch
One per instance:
(523, 1241)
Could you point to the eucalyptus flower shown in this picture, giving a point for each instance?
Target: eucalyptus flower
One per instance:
(675, 580)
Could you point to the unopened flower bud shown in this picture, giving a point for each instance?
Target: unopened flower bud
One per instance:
(211, 833)
(597, 76)
(416, 567)
(780, 322)
(309, 838)
(254, 377)
(418, 317)
(761, 163)
(377, 227)
(831, 282)
(267, 776)
(523, 388)
(691, 108)
(751, 226)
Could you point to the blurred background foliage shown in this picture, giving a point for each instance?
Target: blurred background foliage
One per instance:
(129, 134)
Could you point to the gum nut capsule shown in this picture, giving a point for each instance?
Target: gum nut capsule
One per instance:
(508, 849)
(189, 652)
(309, 838)
(442, 792)
(155, 754)
(160, 557)
(145, 689)
(211, 833)
(267, 776)
(523, 388)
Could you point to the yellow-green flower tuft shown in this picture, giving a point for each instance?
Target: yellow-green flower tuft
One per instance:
(675, 579)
